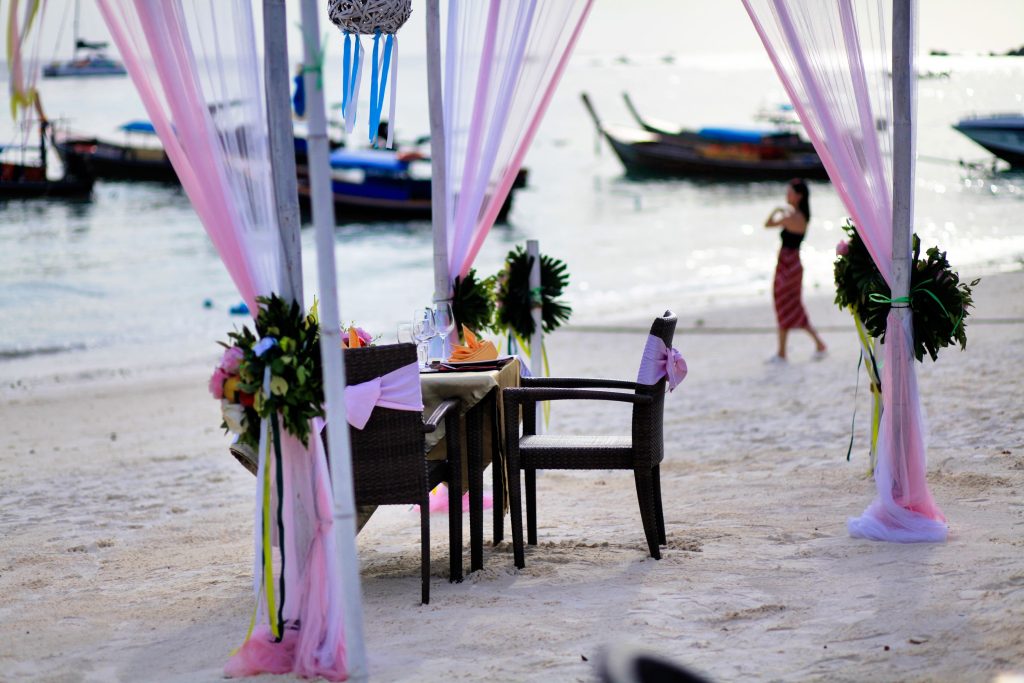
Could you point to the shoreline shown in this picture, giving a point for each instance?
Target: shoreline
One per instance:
(127, 526)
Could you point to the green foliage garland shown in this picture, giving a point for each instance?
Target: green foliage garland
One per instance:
(515, 300)
(938, 299)
(473, 302)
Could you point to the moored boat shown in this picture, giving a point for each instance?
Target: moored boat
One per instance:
(725, 153)
(140, 156)
(1001, 134)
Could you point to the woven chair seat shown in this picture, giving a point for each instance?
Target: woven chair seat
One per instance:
(570, 452)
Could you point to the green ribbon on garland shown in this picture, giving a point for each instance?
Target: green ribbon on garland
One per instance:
(317, 67)
(882, 299)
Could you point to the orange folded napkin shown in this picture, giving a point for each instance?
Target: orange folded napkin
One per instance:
(353, 340)
(474, 349)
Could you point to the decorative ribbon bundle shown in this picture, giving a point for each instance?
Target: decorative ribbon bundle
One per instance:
(660, 361)
(376, 18)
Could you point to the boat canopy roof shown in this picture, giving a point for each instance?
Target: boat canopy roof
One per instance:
(367, 159)
(751, 135)
(138, 127)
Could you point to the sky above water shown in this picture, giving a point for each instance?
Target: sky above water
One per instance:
(678, 26)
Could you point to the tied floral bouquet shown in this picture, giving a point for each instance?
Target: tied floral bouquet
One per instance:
(275, 370)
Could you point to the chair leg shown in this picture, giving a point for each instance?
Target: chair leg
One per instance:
(645, 494)
(659, 512)
(425, 547)
(516, 510)
(530, 475)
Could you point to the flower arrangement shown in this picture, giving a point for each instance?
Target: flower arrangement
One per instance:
(939, 300)
(275, 370)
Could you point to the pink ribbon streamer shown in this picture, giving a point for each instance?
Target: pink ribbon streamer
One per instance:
(398, 390)
(660, 361)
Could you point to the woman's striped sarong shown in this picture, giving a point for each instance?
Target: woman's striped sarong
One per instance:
(789, 274)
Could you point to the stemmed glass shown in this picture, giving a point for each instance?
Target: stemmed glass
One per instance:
(444, 322)
(423, 330)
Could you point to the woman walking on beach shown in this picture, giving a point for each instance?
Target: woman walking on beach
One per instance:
(789, 309)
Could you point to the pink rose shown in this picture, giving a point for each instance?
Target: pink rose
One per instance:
(231, 359)
(843, 248)
(217, 380)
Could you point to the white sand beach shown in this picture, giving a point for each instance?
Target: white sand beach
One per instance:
(125, 526)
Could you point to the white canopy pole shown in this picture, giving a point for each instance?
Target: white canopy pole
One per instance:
(282, 145)
(340, 456)
(438, 182)
(537, 311)
(902, 163)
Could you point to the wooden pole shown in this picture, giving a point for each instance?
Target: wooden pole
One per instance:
(340, 456)
(537, 311)
(902, 185)
(438, 198)
(902, 148)
(282, 145)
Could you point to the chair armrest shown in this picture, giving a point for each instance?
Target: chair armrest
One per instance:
(577, 383)
(519, 395)
(439, 413)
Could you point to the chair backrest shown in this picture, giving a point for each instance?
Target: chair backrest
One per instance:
(648, 421)
(388, 462)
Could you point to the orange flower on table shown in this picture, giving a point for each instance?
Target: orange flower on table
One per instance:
(356, 338)
(474, 349)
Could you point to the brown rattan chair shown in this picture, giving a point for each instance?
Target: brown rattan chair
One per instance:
(642, 451)
(389, 465)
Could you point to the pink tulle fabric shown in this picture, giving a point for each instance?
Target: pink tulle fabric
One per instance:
(503, 62)
(832, 60)
(903, 510)
(439, 500)
(312, 586)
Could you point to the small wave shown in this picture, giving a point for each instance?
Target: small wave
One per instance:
(13, 354)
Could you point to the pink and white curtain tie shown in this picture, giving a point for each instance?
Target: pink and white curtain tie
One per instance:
(660, 361)
(398, 390)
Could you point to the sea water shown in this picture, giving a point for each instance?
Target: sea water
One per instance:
(132, 267)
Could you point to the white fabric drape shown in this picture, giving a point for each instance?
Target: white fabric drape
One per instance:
(832, 59)
(198, 73)
(503, 61)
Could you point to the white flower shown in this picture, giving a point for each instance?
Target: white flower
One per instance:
(234, 416)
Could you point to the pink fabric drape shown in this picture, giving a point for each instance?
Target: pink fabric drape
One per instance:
(196, 68)
(832, 59)
(503, 61)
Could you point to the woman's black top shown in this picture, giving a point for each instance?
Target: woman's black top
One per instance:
(791, 240)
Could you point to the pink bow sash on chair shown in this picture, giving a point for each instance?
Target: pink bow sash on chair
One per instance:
(399, 390)
(661, 361)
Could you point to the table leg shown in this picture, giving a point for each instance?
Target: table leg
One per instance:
(474, 455)
(497, 476)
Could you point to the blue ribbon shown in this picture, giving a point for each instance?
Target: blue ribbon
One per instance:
(378, 86)
(345, 73)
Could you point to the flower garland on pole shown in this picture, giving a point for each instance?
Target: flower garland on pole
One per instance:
(939, 300)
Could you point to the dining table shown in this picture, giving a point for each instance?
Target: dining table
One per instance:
(478, 390)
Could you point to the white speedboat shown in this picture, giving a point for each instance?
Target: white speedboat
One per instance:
(1002, 134)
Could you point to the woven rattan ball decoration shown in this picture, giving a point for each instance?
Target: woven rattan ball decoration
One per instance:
(366, 17)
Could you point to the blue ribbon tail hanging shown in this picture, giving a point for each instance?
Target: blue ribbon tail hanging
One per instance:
(379, 105)
(352, 106)
(374, 86)
(394, 88)
(346, 83)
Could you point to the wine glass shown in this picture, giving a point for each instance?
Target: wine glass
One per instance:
(423, 330)
(444, 321)
(404, 333)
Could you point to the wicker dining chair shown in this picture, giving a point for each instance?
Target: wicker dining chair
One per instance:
(389, 465)
(642, 451)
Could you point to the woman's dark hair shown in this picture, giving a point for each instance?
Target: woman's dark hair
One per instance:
(804, 206)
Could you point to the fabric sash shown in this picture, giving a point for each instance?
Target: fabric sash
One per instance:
(661, 361)
(398, 390)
